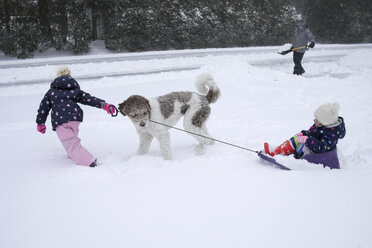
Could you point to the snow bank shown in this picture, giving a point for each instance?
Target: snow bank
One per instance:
(227, 197)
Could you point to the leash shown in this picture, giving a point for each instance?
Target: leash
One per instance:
(114, 111)
(206, 137)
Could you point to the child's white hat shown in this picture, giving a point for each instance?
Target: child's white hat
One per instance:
(327, 114)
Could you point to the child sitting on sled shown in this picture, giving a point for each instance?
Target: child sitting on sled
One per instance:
(321, 137)
(63, 98)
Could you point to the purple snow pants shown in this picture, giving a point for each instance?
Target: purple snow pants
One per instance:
(68, 135)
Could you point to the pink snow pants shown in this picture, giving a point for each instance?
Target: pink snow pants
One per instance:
(68, 135)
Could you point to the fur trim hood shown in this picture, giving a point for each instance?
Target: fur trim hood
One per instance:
(65, 83)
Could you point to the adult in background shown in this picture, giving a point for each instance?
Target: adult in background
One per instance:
(302, 36)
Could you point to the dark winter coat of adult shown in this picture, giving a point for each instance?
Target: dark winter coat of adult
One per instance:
(302, 36)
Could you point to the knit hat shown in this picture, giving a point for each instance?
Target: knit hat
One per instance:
(301, 23)
(327, 114)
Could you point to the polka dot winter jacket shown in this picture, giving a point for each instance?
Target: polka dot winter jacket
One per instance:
(324, 139)
(63, 98)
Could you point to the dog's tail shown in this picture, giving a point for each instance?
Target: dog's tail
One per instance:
(206, 85)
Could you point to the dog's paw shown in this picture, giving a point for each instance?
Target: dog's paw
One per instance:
(141, 152)
(199, 150)
(167, 157)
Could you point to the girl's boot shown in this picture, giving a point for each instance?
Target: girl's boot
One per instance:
(284, 149)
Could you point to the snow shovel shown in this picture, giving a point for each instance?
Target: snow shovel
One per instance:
(293, 49)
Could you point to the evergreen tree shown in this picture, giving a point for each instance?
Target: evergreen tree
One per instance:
(44, 25)
(115, 25)
(340, 21)
(132, 25)
(79, 26)
(273, 21)
(59, 23)
(20, 29)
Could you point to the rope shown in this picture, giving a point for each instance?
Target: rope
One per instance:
(206, 137)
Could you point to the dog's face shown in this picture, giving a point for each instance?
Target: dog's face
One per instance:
(137, 108)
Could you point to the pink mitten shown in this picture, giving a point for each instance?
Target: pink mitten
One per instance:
(41, 128)
(299, 134)
(301, 139)
(109, 108)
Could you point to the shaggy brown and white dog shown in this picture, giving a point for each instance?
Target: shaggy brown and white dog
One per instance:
(168, 109)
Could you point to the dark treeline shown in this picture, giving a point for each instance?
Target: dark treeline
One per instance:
(132, 25)
(340, 21)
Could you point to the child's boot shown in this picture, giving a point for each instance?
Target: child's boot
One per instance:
(268, 150)
(284, 149)
(94, 164)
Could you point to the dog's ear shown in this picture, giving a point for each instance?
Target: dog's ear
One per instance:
(122, 108)
(148, 107)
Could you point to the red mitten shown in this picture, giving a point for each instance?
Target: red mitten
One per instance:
(109, 108)
(41, 128)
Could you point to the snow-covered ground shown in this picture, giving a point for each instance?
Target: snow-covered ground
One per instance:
(227, 197)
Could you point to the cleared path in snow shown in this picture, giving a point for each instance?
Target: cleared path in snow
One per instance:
(338, 52)
(109, 74)
(159, 55)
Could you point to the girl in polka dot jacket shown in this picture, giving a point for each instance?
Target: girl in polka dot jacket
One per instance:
(320, 138)
(63, 98)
